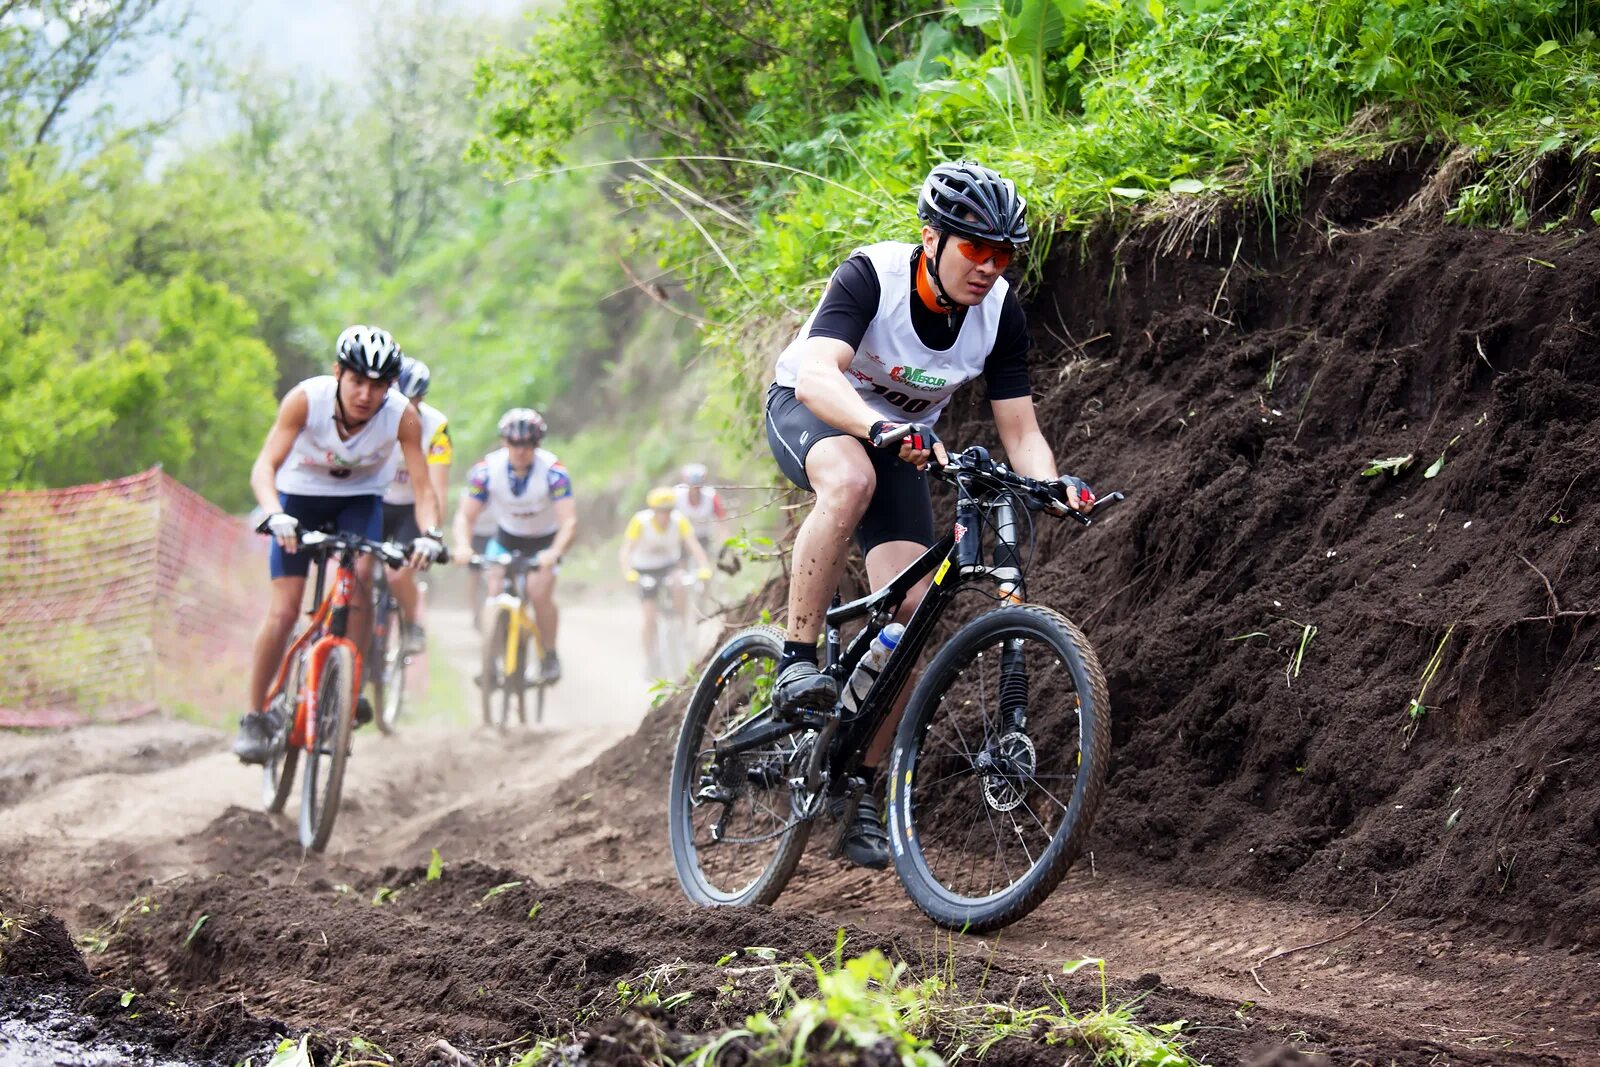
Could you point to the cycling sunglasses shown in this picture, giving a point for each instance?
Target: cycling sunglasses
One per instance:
(983, 251)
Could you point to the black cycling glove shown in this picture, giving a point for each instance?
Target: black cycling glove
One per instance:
(1085, 494)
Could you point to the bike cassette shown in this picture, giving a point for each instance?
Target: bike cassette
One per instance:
(1006, 769)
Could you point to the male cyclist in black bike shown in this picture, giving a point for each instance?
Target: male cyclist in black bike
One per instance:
(900, 328)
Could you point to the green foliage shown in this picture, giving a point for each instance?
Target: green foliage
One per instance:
(120, 351)
(1095, 107)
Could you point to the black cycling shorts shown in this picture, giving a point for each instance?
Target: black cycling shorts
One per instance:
(901, 509)
(400, 523)
(651, 590)
(502, 543)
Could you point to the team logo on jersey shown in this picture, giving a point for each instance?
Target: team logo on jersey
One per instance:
(917, 378)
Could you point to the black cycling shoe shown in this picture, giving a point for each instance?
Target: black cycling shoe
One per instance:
(363, 711)
(866, 843)
(254, 741)
(802, 686)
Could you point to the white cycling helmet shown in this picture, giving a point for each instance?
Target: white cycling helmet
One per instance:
(694, 474)
(369, 352)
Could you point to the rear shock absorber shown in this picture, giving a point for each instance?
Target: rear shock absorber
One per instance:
(1013, 687)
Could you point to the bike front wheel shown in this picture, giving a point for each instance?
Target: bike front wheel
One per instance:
(998, 767)
(495, 701)
(277, 778)
(735, 835)
(329, 752)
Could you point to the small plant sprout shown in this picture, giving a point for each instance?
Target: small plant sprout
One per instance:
(290, 1053)
(1391, 466)
(365, 1054)
(127, 997)
(194, 930)
(1292, 671)
(384, 895)
(435, 866)
(1416, 710)
(503, 887)
(533, 912)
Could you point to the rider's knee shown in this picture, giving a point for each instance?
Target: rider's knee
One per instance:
(281, 616)
(846, 486)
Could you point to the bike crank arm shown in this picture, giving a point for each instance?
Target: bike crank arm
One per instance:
(753, 735)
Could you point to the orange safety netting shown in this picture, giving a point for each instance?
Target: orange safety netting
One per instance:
(122, 597)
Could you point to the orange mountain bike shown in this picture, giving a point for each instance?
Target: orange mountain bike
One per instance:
(314, 692)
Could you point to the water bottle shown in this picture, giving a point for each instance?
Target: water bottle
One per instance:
(871, 665)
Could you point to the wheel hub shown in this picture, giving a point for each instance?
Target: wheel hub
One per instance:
(1006, 769)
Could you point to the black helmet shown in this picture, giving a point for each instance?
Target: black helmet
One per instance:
(970, 200)
(369, 352)
(522, 426)
(414, 376)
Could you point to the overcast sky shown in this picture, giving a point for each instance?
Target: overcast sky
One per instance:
(298, 38)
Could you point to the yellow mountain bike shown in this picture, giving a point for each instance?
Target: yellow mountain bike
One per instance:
(511, 646)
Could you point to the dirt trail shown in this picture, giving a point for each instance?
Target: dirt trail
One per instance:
(135, 801)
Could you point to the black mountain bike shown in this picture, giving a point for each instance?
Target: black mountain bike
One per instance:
(998, 764)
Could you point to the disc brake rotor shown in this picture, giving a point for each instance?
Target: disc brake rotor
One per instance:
(1006, 769)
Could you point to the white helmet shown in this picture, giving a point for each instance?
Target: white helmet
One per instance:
(694, 474)
(369, 352)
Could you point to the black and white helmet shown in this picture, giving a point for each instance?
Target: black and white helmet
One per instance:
(414, 375)
(369, 352)
(970, 200)
(522, 426)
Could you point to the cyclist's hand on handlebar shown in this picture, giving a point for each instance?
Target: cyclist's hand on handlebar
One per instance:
(631, 575)
(704, 574)
(917, 442)
(545, 559)
(1075, 493)
(285, 529)
(461, 552)
(424, 550)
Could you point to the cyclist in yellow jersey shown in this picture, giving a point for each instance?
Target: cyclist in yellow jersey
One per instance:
(655, 543)
(399, 518)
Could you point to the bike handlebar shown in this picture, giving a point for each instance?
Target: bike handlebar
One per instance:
(324, 543)
(513, 559)
(974, 464)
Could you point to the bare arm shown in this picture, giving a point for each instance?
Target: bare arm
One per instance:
(410, 440)
(567, 532)
(467, 513)
(822, 387)
(1026, 449)
(275, 449)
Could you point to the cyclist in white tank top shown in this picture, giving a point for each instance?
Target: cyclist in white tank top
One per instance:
(537, 516)
(330, 453)
(900, 328)
(399, 499)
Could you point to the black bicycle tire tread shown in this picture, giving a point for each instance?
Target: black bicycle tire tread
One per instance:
(1018, 907)
(486, 690)
(380, 687)
(328, 809)
(770, 885)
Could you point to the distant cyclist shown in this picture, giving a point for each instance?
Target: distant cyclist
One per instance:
(702, 506)
(850, 417)
(325, 462)
(658, 542)
(399, 515)
(531, 495)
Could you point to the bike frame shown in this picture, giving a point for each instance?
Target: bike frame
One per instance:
(327, 632)
(954, 561)
(518, 608)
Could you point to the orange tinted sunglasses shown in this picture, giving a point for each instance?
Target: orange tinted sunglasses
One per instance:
(982, 252)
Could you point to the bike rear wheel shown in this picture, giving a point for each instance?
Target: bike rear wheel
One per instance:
(330, 752)
(998, 767)
(761, 837)
(390, 677)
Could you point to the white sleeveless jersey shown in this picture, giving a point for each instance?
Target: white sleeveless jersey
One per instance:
(530, 513)
(321, 464)
(898, 376)
(399, 491)
(703, 517)
(650, 547)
